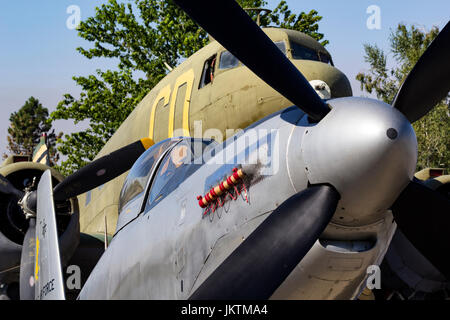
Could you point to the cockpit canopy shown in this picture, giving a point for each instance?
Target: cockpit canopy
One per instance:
(138, 176)
(228, 60)
(294, 44)
(302, 52)
(163, 167)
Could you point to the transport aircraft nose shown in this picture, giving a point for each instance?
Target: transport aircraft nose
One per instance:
(367, 150)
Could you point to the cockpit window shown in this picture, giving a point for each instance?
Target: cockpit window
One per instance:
(208, 72)
(182, 161)
(228, 60)
(281, 45)
(325, 58)
(139, 174)
(301, 52)
(304, 53)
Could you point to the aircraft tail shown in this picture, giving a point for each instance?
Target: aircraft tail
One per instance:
(41, 153)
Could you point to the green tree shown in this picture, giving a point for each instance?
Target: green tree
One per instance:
(146, 38)
(26, 128)
(282, 17)
(406, 46)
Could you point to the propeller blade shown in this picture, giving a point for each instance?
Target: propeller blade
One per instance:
(263, 261)
(27, 263)
(237, 32)
(429, 80)
(423, 215)
(6, 187)
(49, 279)
(101, 170)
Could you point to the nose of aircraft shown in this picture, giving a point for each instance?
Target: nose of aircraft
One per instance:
(367, 150)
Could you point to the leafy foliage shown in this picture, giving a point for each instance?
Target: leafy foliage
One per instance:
(406, 46)
(305, 22)
(26, 128)
(146, 38)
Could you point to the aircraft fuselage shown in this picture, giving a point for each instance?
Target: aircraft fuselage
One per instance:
(177, 244)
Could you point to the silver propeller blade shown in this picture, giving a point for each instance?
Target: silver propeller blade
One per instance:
(48, 273)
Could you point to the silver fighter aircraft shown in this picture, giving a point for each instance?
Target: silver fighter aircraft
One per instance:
(297, 206)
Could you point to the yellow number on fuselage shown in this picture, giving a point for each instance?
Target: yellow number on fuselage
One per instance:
(166, 94)
(188, 78)
(163, 94)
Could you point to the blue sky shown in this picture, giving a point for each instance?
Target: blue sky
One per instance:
(38, 54)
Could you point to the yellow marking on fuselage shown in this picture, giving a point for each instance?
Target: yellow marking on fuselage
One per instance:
(188, 78)
(164, 93)
(147, 143)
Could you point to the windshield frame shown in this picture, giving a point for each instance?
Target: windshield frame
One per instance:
(318, 52)
(126, 196)
(153, 173)
(278, 43)
(148, 205)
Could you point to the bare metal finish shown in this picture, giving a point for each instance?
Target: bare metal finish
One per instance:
(351, 150)
(48, 275)
(175, 248)
(299, 205)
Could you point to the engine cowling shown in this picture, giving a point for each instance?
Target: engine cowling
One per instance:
(13, 224)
